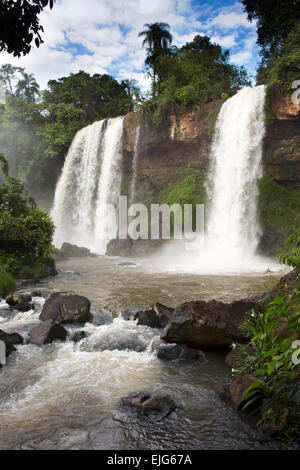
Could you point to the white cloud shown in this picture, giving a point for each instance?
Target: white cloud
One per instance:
(102, 37)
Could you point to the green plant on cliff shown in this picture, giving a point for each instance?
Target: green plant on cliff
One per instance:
(279, 209)
(292, 251)
(25, 231)
(198, 72)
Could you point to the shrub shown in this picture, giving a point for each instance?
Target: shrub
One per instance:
(7, 282)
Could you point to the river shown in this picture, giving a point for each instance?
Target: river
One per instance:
(63, 395)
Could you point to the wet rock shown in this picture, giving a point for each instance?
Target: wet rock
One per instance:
(238, 386)
(10, 339)
(208, 325)
(171, 352)
(46, 332)
(128, 314)
(154, 407)
(121, 343)
(37, 293)
(24, 306)
(132, 248)
(100, 317)
(66, 308)
(78, 336)
(15, 299)
(72, 251)
(155, 316)
(222, 391)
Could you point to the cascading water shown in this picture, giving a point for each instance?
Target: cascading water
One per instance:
(134, 163)
(232, 229)
(90, 180)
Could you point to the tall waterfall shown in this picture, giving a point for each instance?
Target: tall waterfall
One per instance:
(90, 180)
(233, 230)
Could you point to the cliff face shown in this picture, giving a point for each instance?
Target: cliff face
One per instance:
(166, 151)
(184, 142)
(175, 154)
(282, 141)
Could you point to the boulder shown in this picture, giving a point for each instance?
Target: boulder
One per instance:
(171, 352)
(142, 403)
(24, 306)
(46, 332)
(72, 251)
(128, 314)
(78, 336)
(15, 299)
(155, 316)
(10, 339)
(238, 386)
(222, 391)
(132, 248)
(208, 325)
(66, 308)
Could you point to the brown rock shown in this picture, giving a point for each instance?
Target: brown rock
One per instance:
(238, 386)
(208, 325)
(156, 316)
(10, 340)
(66, 308)
(142, 403)
(46, 332)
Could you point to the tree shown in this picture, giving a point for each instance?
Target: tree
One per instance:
(25, 231)
(8, 75)
(197, 73)
(27, 87)
(275, 20)
(19, 25)
(158, 39)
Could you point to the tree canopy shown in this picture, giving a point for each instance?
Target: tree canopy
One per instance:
(275, 20)
(20, 26)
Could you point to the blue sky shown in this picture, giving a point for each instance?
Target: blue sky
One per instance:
(100, 36)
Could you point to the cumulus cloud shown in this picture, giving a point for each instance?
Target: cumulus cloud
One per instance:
(101, 37)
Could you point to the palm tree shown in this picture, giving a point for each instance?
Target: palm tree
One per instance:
(27, 87)
(158, 39)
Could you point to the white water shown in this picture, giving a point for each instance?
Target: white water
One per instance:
(134, 163)
(232, 229)
(91, 179)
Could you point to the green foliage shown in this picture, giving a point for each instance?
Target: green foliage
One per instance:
(33, 134)
(188, 189)
(19, 25)
(292, 248)
(7, 282)
(25, 231)
(275, 19)
(283, 67)
(197, 73)
(274, 360)
(279, 208)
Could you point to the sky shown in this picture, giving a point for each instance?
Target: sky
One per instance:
(101, 36)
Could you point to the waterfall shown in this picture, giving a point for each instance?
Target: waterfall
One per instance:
(90, 179)
(134, 163)
(233, 230)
